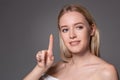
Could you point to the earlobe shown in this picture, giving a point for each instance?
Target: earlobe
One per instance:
(93, 29)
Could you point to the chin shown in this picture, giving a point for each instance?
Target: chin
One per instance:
(75, 51)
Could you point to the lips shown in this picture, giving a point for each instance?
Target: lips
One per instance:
(74, 43)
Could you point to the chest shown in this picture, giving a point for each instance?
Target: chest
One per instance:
(80, 74)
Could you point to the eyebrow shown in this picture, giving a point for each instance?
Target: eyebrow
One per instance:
(63, 26)
(74, 24)
(78, 23)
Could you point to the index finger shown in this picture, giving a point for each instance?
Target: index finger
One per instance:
(50, 47)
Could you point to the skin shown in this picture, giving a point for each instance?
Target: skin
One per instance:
(44, 59)
(75, 32)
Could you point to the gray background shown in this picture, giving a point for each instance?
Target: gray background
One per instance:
(25, 26)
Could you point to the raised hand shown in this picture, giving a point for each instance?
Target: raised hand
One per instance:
(45, 58)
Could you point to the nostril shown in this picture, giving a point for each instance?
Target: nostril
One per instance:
(72, 35)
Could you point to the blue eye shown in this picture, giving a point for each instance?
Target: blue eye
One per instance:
(64, 30)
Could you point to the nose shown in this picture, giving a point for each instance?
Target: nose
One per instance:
(72, 34)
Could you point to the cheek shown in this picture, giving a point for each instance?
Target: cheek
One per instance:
(85, 36)
(64, 38)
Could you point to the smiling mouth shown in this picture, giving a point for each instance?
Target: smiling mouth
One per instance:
(74, 43)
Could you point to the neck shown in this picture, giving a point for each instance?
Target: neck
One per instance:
(81, 59)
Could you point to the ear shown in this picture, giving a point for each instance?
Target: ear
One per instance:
(93, 29)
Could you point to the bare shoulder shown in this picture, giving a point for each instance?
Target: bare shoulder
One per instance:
(106, 70)
(109, 72)
(56, 67)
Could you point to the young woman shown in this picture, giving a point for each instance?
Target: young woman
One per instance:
(79, 44)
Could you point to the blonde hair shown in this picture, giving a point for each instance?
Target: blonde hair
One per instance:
(94, 41)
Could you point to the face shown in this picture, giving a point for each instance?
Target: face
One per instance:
(74, 31)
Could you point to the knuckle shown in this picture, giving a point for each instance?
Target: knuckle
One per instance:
(39, 51)
(44, 51)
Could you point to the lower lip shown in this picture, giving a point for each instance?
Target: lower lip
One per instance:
(75, 43)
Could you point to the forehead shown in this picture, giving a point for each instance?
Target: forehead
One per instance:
(71, 18)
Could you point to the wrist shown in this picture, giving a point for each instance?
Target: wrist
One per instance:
(39, 69)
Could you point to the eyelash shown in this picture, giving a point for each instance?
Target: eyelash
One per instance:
(64, 30)
(79, 27)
